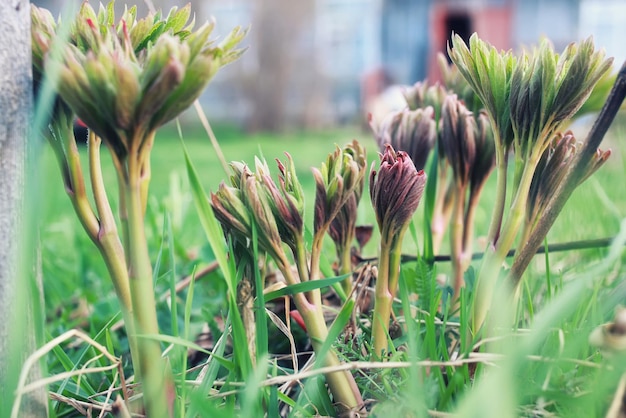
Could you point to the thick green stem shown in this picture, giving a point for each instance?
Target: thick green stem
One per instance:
(382, 304)
(342, 384)
(101, 229)
(113, 255)
(302, 263)
(316, 253)
(69, 162)
(518, 208)
(345, 267)
(470, 215)
(315, 296)
(500, 199)
(395, 257)
(495, 255)
(143, 301)
(110, 247)
(245, 305)
(441, 215)
(122, 182)
(386, 288)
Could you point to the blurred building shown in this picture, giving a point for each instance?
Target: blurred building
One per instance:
(317, 62)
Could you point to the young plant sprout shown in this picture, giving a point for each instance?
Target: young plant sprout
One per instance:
(528, 101)
(464, 148)
(411, 131)
(343, 228)
(254, 200)
(395, 190)
(551, 173)
(338, 181)
(458, 128)
(124, 80)
(422, 95)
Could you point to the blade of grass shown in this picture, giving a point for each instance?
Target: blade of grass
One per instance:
(201, 407)
(61, 388)
(110, 348)
(327, 271)
(186, 333)
(242, 354)
(167, 226)
(211, 370)
(209, 223)
(429, 204)
(335, 330)
(70, 366)
(215, 235)
(314, 400)
(272, 407)
(304, 287)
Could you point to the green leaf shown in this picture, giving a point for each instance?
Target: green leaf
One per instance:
(334, 331)
(67, 363)
(201, 407)
(272, 407)
(430, 198)
(152, 36)
(317, 399)
(177, 19)
(181, 401)
(423, 282)
(548, 75)
(214, 366)
(110, 348)
(240, 340)
(211, 226)
(188, 306)
(110, 14)
(304, 287)
(167, 225)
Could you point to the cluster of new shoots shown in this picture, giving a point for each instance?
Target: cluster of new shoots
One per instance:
(529, 99)
(343, 228)
(463, 160)
(124, 79)
(467, 145)
(254, 201)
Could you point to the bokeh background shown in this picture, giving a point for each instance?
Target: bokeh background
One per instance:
(319, 63)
